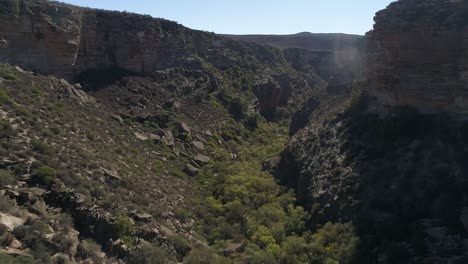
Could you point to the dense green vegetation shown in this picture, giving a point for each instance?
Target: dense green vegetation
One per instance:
(246, 205)
(9, 7)
(4, 258)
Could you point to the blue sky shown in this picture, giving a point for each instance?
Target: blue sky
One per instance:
(255, 16)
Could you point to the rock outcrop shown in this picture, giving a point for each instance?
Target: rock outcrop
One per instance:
(35, 41)
(83, 45)
(418, 56)
(395, 172)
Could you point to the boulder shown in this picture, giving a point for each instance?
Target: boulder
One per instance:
(38, 191)
(118, 119)
(190, 170)
(10, 221)
(168, 138)
(111, 174)
(119, 248)
(166, 231)
(199, 145)
(80, 198)
(201, 159)
(143, 217)
(147, 233)
(15, 244)
(154, 137)
(12, 194)
(200, 138)
(60, 258)
(141, 136)
(184, 128)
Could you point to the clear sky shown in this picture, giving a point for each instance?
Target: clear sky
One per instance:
(255, 16)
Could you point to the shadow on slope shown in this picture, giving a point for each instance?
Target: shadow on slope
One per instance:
(400, 179)
(95, 79)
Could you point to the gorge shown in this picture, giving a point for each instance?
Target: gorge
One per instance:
(132, 139)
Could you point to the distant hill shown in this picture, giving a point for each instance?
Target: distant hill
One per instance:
(336, 57)
(306, 40)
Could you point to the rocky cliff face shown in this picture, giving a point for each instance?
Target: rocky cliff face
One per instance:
(72, 43)
(419, 56)
(37, 41)
(398, 177)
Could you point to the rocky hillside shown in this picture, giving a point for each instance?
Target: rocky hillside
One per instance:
(76, 43)
(129, 139)
(397, 172)
(337, 58)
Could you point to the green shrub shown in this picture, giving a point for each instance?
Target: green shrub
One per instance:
(4, 258)
(159, 166)
(294, 250)
(32, 231)
(5, 97)
(6, 205)
(148, 254)
(176, 172)
(6, 131)
(238, 108)
(6, 177)
(181, 245)
(335, 243)
(204, 255)
(263, 257)
(45, 175)
(90, 249)
(10, 77)
(253, 121)
(235, 104)
(122, 226)
(40, 252)
(36, 92)
(182, 214)
(42, 148)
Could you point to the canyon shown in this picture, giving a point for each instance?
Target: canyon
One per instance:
(132, 139)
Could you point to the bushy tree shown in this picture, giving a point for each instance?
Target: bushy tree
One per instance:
(334, 243)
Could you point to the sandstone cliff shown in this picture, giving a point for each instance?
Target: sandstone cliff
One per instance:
(419, 56)
(72, 43)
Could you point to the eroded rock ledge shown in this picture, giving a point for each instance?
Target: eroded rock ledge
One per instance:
(418, 56)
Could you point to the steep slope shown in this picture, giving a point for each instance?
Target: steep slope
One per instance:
(391, 159)
(337, 58)
(72, 42)
(105, 176)
(155, 155)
